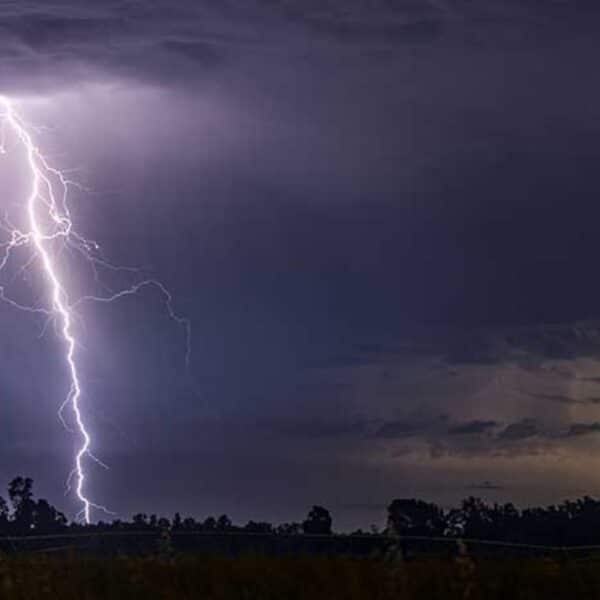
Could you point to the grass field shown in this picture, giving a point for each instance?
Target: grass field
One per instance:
(249, 578)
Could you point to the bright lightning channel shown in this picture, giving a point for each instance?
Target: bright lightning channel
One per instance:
(46, 212)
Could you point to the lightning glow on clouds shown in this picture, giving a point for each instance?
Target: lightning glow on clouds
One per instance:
(48, 231)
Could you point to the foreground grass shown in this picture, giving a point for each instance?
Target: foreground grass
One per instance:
(259, 578)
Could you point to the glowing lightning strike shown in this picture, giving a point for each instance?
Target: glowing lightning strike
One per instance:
(43, 197)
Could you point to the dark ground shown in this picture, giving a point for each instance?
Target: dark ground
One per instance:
(314, 578)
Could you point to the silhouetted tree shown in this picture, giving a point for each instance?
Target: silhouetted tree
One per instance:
(29, 515)
(474, 519)
(584, 521)
(4, 514)
(260, 527)
(318, 521)
(189, 524)
(140, 521)
(573, 522)
(20, 492)
(415, 517)
(46, 519)
(177, 522)
(223, 523)
(289, 529)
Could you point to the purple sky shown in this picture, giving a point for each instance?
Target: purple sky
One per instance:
(381, 219)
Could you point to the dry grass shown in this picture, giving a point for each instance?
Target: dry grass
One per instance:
(262, 578)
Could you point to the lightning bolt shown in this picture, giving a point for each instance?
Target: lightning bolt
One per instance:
(48, 221)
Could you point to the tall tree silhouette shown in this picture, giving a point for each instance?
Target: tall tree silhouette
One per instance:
(46, 519)
(318, 521)
(4, 514)
(20, 492)
(415, 517)
(224, 523)
(30, 515)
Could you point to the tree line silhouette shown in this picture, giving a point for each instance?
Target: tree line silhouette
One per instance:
(571, 523)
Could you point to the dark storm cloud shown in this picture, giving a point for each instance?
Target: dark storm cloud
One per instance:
(440, 428)
(529, 346)
(411, 427)
(318, 429)
(199, 52)
(155, 40)
(422, 28)
(400, 429)
(564, 399)
(48, 45)
(486, 486)
(442, 435)
(473, 428)
(482, 438)
(522, 439)
(522, 430)
(46, 33)
(530, 428)
(476, 349)
(579, 429)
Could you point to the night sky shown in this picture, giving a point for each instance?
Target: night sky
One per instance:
(381, 218)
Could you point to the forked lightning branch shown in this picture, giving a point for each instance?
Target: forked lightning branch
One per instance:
(45, 227)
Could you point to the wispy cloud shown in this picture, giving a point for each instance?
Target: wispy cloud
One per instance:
(473, 427)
